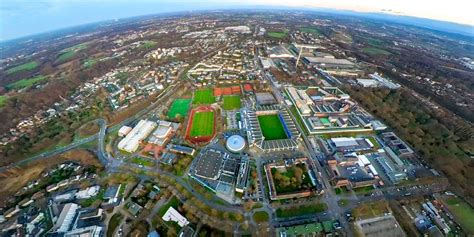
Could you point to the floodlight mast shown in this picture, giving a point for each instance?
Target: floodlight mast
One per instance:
(301, 47)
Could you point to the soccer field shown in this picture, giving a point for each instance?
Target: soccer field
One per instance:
(204, 96)
(271, 126)
(203, 124)
(232, 102)
(179, 106)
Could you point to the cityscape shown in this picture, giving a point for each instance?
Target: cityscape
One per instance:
(238, 123)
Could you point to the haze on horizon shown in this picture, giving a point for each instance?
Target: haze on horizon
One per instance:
(20, 18)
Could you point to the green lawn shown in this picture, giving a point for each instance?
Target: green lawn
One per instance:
(3, 100)
(202, 124)
(365, 189)
(341, 190)
(277, 34)
(328, 226)
(76, 47)
(463, 212)
(142, 161)
(204, 96)
(23, 83)
(271, 126)
(343, 202)
(179, 107)
(68, 53)
(260, 216)
(148, 44)
(301, 210)
(311, 30)
(24, 67)
(66, 56)
(303, 230)
(375, 51)
(232, 102)
(374, 142)
(89, 62)
(173, 202)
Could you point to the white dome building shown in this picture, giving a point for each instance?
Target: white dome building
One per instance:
(235, 143)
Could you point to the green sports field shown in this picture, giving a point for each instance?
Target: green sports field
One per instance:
(24, 67)
(202, 124)
(462, 212)
(179, 106)
(204, 96)
(271, 126)
(232, 102)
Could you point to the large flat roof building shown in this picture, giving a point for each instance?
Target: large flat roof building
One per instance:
(66, 218)
(173, 215)
(329, 62)
(131, 142)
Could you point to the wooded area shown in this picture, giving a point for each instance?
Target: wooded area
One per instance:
(445, 142)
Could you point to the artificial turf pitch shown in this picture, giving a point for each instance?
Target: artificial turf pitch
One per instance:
(271, 126)
(202, 124)
(232, 102)
(179, 106)
(204, 96)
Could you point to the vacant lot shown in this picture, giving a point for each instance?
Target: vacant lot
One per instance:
(204, 96)
(375, 51)
(271, 126)
(232, 102)
(371, 209)
(463, 212)
(24, 67)
(203, 124)
(179, 107)
(24, 83)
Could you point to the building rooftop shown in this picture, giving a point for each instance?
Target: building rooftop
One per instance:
(208, 165)
(173, 215)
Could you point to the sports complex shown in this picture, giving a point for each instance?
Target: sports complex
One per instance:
(204, 96)
(201, 125)
(271, 128)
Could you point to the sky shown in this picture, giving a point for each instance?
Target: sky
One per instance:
(20, 18)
